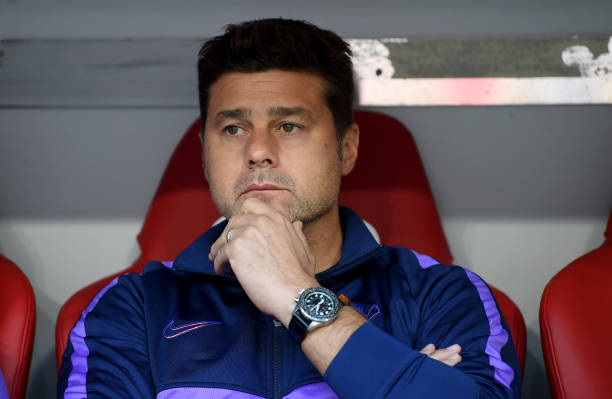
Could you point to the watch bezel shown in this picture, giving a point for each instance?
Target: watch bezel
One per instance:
(302, 304)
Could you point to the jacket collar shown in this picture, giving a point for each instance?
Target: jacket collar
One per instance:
(357, 242)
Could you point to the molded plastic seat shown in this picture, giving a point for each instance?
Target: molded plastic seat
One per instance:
(575, 325)
(388, 188)
(18, 318)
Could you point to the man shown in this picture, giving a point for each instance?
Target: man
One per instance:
(250, 309)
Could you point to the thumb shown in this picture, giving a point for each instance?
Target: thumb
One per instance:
(428, 349)
(297, 227)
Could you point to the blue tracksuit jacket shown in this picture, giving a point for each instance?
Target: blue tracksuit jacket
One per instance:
(178, 330)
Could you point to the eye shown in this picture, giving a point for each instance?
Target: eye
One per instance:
(233, 130)
(289, 128)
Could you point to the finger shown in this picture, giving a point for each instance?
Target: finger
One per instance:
(221, 261)
(454, 348)
(449, 356)
(445, 353)
(248, 214)
(221, 241)
(443, 357)
(428, 349)
(453, 360)
(236, 227)
(297, 227)
(236, 224)
(259, 207)
(239, 219)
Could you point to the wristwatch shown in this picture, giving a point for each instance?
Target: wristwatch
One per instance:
(315, 307)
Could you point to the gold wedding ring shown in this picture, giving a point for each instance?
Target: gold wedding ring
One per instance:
(228, 236)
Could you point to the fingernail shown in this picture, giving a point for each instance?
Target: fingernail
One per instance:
(454, 356)
(453, 347)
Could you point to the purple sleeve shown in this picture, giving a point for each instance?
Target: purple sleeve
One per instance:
(3, 390)
(107, 352)
(454, 306)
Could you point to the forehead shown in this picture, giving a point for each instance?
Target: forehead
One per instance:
(263, 90)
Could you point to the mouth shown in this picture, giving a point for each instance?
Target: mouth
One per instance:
(255, 188)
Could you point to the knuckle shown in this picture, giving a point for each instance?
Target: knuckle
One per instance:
(264, 222)
(258, 219)
(239, 243)
(247, 232)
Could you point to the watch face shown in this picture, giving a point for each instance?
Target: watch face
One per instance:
(319, 304)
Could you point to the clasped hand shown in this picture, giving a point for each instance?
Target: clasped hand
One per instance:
(271, 258)
(268, 254)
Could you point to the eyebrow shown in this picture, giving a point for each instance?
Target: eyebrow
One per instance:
(238, 113)
(276, 112)
(281, 112)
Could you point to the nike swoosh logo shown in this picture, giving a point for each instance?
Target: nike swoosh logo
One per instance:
(172, 331)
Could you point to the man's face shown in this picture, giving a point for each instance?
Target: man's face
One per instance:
(271, 136)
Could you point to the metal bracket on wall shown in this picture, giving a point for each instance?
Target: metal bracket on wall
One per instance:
(389, 72)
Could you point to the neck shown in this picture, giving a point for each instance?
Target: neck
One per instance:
(324, 238)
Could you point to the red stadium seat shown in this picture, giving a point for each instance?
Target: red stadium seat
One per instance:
(388, 188)
(18, 316)
(575, 325)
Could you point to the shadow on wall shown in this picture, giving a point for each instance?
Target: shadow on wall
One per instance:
(43, 375)
(535, 372)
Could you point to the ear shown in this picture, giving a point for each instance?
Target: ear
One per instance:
(350, 148)
(201, 136)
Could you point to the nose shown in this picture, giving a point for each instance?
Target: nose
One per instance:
(261, 150)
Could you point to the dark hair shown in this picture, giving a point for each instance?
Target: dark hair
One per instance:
(290, 45)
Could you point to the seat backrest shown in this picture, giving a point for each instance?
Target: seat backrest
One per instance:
(18, 316)
(388, 188)
(575, 325)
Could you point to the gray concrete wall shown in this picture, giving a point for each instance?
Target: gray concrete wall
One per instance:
(521, 190)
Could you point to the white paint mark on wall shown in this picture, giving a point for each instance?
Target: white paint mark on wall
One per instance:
(371, 59)
(485, 91)
(583, 58)
(377, 87)
(395, 40)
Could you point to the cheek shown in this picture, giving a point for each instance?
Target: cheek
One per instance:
(217, 172)
(218, 176)
(314, 173)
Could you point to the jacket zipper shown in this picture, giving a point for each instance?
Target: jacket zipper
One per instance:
(276, 362)
(277, 338)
